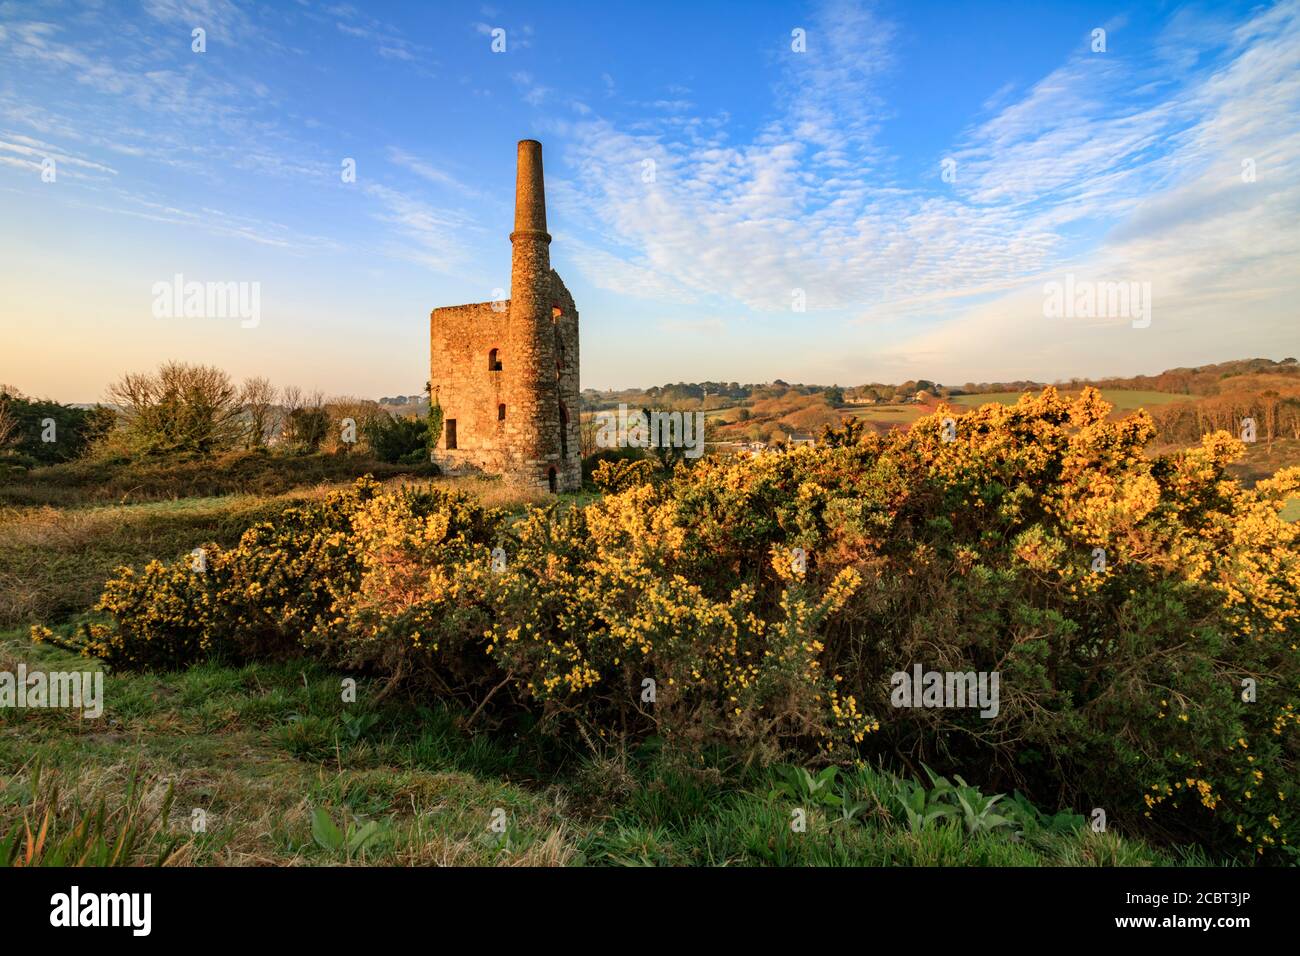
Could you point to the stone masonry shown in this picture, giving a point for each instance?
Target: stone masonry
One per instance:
(506, 373)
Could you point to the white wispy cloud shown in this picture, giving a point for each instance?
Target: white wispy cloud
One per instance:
(1141, 156)
(433, 236)
(385, 39)
(534, 93)
(28, 153)
(221, 19)
(1219, 250)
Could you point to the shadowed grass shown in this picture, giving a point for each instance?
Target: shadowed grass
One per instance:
(260, 749)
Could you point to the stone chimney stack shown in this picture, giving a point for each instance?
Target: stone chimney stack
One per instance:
(530, 259)
(530, 191)
(533, 417)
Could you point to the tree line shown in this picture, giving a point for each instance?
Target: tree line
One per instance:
(184, 409)
(1274, 414)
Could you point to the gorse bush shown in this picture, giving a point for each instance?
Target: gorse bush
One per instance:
(1142, 614)
(620, 474)
(262, 598)
(412, 602)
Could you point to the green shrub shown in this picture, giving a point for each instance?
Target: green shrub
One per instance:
(399, 440)
(46, 432)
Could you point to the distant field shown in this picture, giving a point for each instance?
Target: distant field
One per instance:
(632, 409)
(1124, 400)
(887, 414)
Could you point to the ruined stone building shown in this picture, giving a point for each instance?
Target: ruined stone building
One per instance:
(505, 374)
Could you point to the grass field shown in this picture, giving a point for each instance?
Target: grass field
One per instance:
(886, 416)
(265, 751)
(98, 482)
(53, 562)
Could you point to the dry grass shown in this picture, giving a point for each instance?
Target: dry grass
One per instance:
(53, 562)
(106, 482)
(492, 492)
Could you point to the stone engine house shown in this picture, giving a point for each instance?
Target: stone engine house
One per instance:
(505, 373)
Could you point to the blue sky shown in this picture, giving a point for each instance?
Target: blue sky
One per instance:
(775, 172)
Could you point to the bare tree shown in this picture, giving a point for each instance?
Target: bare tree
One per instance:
(179, 408)
(1270, 404)
(258, 397)
(306, 423)
(587, 433)
(291, 401)
(350, 421)
(8, 421)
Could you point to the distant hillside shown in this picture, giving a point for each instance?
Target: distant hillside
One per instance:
(1184, 402)
(1218, 379)
(406, 406)
(1203, 380)
(1200, 380)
